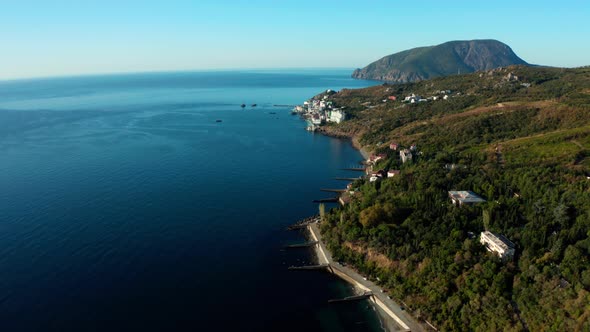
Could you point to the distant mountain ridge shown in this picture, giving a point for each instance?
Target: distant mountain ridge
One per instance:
(450, 58)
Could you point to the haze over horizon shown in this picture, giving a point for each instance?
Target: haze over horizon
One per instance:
(96, 37)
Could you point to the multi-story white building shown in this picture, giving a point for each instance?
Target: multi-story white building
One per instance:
(498, 244)
(336, 116)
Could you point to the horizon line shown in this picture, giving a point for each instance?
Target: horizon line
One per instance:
(164, 71)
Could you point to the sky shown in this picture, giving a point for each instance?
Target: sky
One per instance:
(62, 38)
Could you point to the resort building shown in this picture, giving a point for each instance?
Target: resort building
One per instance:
(464, 197)
(336, 116)
(498, 244)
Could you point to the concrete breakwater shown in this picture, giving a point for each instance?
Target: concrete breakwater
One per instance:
(400, 319)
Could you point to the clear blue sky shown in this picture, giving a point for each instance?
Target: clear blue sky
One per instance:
(46, 38)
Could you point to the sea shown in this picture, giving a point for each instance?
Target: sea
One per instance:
(155, 202)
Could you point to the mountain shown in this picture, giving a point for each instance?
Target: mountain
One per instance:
(464, 56)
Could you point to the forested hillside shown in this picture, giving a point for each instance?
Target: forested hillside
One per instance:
(450, 58)
(517, 136)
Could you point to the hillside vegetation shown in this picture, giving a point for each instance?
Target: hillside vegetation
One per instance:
(519, 137)
(445, 59)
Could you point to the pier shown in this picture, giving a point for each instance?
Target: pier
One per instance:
(326, 200)
(347, 179)
(295, 227)
(361, 297)
(354, 169)
(304, 222)
(333, 190)
(309, 267)
(302, 245)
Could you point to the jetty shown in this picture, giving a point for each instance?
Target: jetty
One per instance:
(326, 200)
(309, 267)
(304, 222)
(347, 179)
(302, 245)
(354, 169)
(363, 296)
(333, 190)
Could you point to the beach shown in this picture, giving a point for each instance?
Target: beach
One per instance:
(394, 316)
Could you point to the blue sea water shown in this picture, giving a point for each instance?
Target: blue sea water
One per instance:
(125, 205)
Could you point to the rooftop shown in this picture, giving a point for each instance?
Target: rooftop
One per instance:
(499, 240)
(465, 196)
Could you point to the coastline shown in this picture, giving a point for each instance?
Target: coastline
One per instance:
(354, 139)
(392, 315)
(357, 145)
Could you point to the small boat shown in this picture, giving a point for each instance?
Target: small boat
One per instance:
(272, 113)
(217, 120)
(243, 105)
(254, 105)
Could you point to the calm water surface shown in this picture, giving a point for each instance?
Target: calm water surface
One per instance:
(125, 205)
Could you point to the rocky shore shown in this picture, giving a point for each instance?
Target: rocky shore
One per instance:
(332, 131)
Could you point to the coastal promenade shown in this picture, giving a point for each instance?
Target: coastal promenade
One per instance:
(399, 319)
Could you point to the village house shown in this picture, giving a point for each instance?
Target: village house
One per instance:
(375, 176)
(392, 172)
(497, 244)
(373, 159)
(405, 155)
(344, 199)
(393, 146)
(413, 98)
(450, 167)
(464, 197)
(316, 119)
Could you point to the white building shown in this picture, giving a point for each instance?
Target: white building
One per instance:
(464, 197)
(498, 244)
(316, 119)
(392, 172)
(405, 155)
(336, 116)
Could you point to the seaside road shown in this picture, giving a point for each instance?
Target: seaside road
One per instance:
(350, 275)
